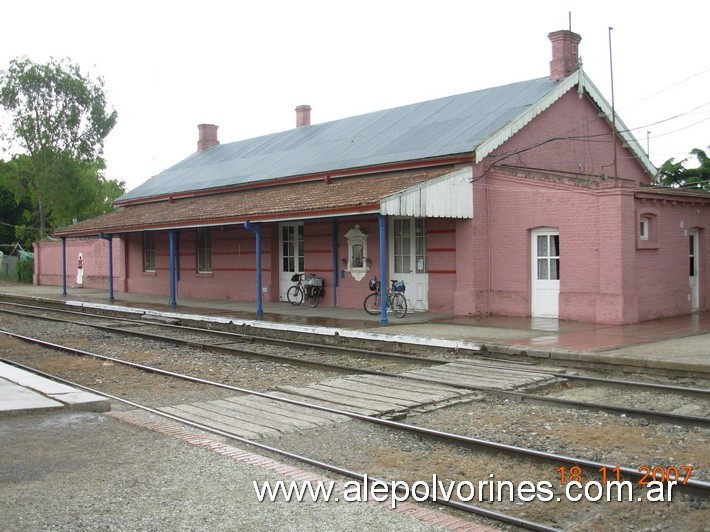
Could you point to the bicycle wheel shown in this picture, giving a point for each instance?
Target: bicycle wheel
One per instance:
(314, 297)
(399, 305)
(295, 295)
(372, 304)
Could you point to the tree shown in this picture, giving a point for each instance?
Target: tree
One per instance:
(59, 119)
(13, 207)
(678, 175)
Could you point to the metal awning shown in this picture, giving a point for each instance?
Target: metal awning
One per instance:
(448, 196)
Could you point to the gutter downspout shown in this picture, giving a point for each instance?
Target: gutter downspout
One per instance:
(257, 233)
(110, 265)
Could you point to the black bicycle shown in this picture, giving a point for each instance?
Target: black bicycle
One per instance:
(308, 287)
(394, 299)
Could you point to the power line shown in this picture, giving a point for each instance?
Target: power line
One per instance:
(668, 88)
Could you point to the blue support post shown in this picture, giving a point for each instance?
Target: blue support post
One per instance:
(173, 297)
(383, 267)
(64, 266)
(336, 265)
(110, 265)
(257, 233)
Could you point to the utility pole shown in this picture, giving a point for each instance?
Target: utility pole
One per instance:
(613, 111)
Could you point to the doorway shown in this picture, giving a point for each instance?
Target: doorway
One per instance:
(290, 255)
(545, 247)
(408, 252)
(694, 268)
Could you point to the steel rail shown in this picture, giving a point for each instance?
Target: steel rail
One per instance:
(665, 417)
(610, 382)
(218, 348)
(465, 441)
(241, 336)
(350, 350)
(468, 508)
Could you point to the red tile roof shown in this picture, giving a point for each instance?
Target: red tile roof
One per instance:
(299, 200)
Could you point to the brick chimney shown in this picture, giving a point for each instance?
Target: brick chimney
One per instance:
(565, 53)
(303, 115)
(208, 136)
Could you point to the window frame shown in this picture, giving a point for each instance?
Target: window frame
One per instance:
(647, 230)
(203, 250)
(149, 252)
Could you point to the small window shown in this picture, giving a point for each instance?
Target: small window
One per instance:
(204, 250)
(148, 252)
(644, 227)
(647, 227)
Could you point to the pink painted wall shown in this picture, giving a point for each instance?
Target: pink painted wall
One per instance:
(568, 137)
(48, 263)
(442, 250)
(233, 274)
(351, 292)
(662, 263)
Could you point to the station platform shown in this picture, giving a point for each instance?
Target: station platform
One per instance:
(22, 392)
(679, 345)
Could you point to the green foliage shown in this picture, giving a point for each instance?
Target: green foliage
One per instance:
(54, 108)
(25, 270)
(13, 207)
(59, 119)
(678, 175)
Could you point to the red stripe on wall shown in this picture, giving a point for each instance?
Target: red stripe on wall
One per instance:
(439, 250)
(309, 251)
(238, 270)
(192, 270)
(442, 272)
(440, 231)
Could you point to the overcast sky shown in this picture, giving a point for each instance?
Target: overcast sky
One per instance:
(171, 65)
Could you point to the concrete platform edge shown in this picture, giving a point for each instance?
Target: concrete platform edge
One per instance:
(65, 396)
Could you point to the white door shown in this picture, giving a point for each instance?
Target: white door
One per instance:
(693, 271)
(291, 255)
(408, 259)
(545, 273)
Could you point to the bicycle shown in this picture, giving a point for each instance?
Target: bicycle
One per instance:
(394, 299)
(308, 287)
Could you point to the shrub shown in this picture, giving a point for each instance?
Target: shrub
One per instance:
(25, 270)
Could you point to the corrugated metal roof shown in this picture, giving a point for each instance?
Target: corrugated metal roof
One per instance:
(435, 128)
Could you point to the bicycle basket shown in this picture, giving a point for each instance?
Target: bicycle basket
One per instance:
(374, 285)
(398, 286)
(313, 281)
(295, 277)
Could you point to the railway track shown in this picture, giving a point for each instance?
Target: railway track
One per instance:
(455, 440)
(507, 381)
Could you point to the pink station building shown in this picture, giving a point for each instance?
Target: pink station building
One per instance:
(528, 199)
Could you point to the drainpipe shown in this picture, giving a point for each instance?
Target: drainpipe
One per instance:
(383, 268)
(64, 266)
(335, 263)
(173, 284)
(110, 265)
(257, 233)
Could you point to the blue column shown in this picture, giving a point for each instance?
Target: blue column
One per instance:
(173, 299)
(336, 265)
(257, 233)
(110, 265)
(110, 269)
(64, 266)
(383, 266)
